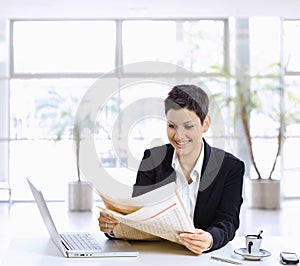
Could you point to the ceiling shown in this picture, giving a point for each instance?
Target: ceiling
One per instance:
(68, 9)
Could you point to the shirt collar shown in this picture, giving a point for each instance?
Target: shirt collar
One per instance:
(196, 172)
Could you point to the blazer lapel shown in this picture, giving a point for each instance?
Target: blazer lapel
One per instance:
(213, 159)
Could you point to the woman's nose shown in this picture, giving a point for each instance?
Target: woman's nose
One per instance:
(179, 133)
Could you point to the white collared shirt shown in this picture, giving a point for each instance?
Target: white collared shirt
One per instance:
(187, 191)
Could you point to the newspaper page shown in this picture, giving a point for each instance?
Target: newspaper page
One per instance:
(163, 219)
(126, 232)
(130, 205)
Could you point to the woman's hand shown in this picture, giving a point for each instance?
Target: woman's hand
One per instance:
(197, 242)
(107, 222)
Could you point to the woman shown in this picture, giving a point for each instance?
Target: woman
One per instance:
(210, 179)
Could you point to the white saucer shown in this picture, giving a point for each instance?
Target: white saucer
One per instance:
(243, 252)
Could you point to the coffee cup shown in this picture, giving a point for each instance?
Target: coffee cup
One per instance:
(253, 243)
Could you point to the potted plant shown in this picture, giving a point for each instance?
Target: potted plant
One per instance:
(62, 111)
(80, 193)
(265, 189)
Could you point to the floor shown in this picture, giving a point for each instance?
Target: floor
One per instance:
(282, 222)
(21, 217)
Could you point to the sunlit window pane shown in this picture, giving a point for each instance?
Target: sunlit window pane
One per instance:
(63, 46)
(42, 109)
(292, 142)
(292, 105)
(264, 45)
(4, 43)
(266, 101)
(53, 163)
(149, 41)
(197, 46)
(291, 45)
(136, 122)
(203, 45)
(132, 120)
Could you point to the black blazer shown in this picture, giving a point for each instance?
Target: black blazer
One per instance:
(220, 191)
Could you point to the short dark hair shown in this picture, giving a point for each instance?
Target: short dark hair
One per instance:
(190, 97)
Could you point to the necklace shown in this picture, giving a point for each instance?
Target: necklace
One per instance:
(189, 180)
(187, 175)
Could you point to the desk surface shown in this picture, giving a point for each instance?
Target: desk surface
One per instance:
(40, 250)
(30, 244)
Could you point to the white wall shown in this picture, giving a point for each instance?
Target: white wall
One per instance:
(147, 8)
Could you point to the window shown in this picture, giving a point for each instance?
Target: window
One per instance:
(63, 46)
(4, 108)
(292, 141)
(291, 28)
(291, 44)
(41, 118)
(183, 43)
(55, 62)
(265, 34)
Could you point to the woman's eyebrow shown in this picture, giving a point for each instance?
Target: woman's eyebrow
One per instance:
(169, 121)
(187, 122)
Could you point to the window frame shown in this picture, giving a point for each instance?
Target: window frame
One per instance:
(118, 72)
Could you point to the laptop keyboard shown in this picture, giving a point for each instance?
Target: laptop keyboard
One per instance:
(81, 241)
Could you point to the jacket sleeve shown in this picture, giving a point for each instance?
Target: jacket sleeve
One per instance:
(226, 215)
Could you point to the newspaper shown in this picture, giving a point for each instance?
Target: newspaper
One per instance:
(141, 220)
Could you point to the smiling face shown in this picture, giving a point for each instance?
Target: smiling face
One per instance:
(185, 132)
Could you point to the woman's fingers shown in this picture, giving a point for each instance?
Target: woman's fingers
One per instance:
(197, 242)
(107, 222)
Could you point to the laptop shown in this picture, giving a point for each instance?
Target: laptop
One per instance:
(80, 244)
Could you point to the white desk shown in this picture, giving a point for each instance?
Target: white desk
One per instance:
(40, 250)
(29, 243)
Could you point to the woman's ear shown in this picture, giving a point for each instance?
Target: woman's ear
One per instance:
(206, 123)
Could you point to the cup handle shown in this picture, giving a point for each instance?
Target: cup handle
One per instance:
(250, 244)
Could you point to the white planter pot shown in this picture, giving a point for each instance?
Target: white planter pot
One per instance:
(80, 196)
(265, 194)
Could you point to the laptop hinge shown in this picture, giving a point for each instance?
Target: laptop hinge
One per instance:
(64, 243)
